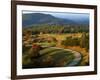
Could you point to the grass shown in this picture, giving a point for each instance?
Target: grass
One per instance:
(63, 36)
(57, 55)
(46, 44)
(48, 50)
(84, 53)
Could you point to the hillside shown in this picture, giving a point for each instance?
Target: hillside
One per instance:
(40, 18)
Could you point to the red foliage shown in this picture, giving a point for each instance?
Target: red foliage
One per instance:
(35, 46)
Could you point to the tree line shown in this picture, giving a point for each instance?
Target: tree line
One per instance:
(45, 28)
(83, 41)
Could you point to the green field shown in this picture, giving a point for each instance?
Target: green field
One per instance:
(49, 57)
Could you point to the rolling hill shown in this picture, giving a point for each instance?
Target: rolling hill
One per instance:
(40, 18)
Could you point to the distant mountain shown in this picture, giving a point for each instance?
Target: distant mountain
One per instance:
(40, 18)
(83, 21)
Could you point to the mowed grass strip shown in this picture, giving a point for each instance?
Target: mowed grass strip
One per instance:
(57, 55)
(48, 50)
(60, 51)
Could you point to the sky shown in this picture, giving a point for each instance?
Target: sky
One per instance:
(65, 15)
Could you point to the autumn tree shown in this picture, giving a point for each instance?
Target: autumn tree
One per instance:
(83, 40)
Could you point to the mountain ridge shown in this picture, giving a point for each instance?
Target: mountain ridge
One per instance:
(41, 18)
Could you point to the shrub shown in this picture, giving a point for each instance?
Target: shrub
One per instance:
(34, 51)
(71, 41)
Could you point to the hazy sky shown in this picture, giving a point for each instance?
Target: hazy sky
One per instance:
(65, 15)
